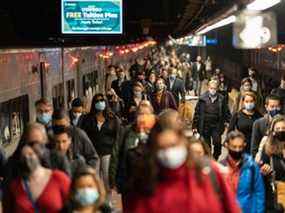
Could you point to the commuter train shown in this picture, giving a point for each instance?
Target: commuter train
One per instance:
(29, 74)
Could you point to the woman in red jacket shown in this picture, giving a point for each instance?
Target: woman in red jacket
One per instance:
(173, 182)
(38, 189)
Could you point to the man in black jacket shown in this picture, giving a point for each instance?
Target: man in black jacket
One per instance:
(175, 85)
(198, 75)
(211, 116)
(117, 84)
(81, 143)
(280, 91)
(76, 112)
(260, 126)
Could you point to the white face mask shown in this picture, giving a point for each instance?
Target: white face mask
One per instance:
(173, 157)
(77, 114)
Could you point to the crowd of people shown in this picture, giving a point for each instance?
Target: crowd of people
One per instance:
(143, 139)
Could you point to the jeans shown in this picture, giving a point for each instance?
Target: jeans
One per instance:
(104, 173)
(197, 85)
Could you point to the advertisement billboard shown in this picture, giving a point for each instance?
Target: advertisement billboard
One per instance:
(92, 16)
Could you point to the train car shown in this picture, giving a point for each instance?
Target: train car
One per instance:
(29, 74)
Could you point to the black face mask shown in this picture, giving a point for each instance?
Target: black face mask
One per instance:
(280, 136)
(236, 155)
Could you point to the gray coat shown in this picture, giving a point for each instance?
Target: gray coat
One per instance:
(81, 145)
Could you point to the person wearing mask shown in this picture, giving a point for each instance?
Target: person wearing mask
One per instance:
(246, 86)
(211, 117)
(173, 181)
(104, 129)
(208, 67)
(252, 76)
(81, 144)
(76, 112)
(261, 125)
(244, 119)
(164, 74)
(198, 75)
(150, 85)
(244, 175)
(280, 91)
(138, 65)
(132, 104)
(44, 112)
(133, 134)
(271, 157)
(110, 77)
(224, 87)
(35, 135)
(36, 189)
(162, 99)
(175, 85)
(87, 192)
(118, 83)
(127, 86)
(115, 103)
(62, 140)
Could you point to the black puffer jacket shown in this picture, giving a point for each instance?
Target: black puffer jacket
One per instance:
(103, 139)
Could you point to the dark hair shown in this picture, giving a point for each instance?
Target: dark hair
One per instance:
(272, 97)
(77, 102)
(58, 130)
(233, 135)
(59, 114)
(107, 112)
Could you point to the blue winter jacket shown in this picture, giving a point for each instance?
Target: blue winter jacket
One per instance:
(250, 192)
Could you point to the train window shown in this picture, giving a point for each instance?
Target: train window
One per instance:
(14, 114)
(58, 96)
(90, 81)
(70, 91)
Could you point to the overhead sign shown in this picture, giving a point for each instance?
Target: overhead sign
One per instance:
(255, 30)
(212, 41)
(92, 17)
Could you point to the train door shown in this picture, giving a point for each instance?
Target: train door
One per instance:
(14, 115)
(70, 91)
(90, 86)
(58, 96)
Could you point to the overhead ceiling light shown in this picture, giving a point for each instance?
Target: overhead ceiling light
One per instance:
(223, 22)
(262, 4)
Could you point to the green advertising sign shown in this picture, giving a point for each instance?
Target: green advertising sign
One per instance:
(91, 17)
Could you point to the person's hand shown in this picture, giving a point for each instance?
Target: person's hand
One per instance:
(265, 169)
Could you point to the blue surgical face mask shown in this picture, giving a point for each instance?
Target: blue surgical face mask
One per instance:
(274, 112)
(86, 196)
(249, 106)
(44, 118)
(100, 106)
